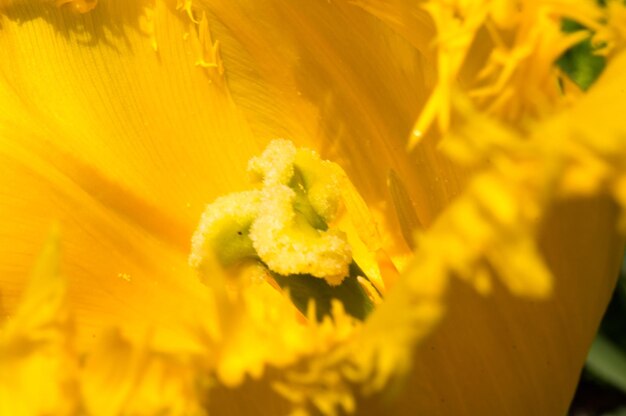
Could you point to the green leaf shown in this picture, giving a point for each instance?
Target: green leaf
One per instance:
(607, 362)
(579, 62)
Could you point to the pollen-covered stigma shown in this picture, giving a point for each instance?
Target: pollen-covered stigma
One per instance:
(285, 232)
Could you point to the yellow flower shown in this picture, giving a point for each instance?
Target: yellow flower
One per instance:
(485, 251)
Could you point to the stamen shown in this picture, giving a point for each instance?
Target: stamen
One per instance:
(275, 165)
(288, 244)
(210, 58)
(224, 231)
(288, 227)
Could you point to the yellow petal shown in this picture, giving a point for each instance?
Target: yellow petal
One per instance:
(125, 174)
(152, 120)
(505, 355)
(315, 72)
(333, 77)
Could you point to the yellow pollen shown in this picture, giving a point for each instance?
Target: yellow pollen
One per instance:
(288, 233)
(288, 244)
(285, 223)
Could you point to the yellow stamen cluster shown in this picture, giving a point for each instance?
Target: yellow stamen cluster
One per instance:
(285, 223)
(517, 44)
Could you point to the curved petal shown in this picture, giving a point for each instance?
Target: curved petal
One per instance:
(331, 76)
(122, 144)
(505, 355)
(528, 355)
(108, 258)
(151, 119)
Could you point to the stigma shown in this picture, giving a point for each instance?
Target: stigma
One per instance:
(288, 231)
(286, 223)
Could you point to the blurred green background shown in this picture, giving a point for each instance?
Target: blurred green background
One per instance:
(602, 386)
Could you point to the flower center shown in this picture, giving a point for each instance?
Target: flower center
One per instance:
(288, 227)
